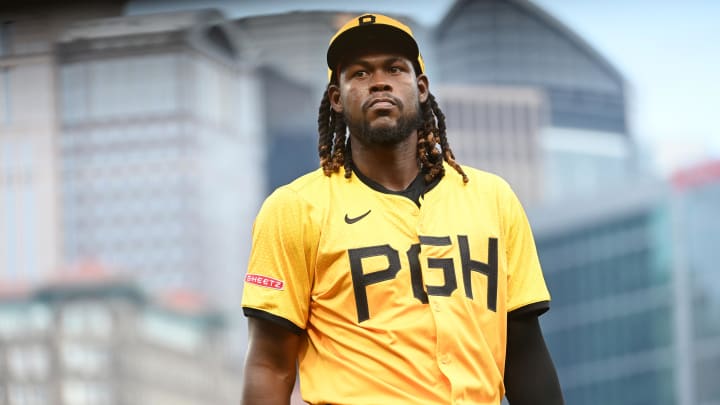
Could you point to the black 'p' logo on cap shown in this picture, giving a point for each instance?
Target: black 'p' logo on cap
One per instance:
(366, 19)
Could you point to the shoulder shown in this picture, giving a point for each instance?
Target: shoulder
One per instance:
(306, 194)
(302, 188)
(313, 179)
(491, 191)
(482, 181)
(292, 210)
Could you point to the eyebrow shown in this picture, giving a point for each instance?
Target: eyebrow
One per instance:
(364, 63)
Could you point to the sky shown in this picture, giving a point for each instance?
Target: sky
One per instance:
(668, 51)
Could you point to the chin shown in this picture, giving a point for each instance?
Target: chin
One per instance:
(383, 126)
(382, 121)
(385, 130)
(385, 135)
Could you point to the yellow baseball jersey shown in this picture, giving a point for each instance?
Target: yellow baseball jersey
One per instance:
(399, 301)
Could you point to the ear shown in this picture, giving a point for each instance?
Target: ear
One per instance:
(334, 97)
(423, 85)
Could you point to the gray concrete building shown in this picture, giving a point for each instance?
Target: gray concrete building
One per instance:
(90, 338)
(160, 149)
(498, 128)
(29, 216)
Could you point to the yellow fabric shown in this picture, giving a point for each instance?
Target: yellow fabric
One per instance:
(448, 350)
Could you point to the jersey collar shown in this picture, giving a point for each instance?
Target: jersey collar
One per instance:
(415, 191)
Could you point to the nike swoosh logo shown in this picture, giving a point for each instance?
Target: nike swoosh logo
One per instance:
(349, 220)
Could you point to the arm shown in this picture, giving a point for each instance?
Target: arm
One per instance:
(270, 370)
(530, 376)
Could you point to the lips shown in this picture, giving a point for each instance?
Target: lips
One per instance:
(381, 102)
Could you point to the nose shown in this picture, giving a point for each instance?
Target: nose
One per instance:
(379, 84)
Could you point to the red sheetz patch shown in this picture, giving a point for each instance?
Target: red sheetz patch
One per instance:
(264, 281)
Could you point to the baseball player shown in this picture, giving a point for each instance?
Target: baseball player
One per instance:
(382, 278)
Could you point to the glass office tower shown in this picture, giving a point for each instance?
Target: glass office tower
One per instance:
(635, 313)
(585, 144)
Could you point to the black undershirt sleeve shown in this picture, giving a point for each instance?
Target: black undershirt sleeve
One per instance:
(530, 376)
(258, 313)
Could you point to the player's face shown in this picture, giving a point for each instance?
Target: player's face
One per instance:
(379, 95)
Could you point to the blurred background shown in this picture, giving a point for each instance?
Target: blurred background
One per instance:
(139, 138)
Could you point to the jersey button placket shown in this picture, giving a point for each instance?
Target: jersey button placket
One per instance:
(442, 328)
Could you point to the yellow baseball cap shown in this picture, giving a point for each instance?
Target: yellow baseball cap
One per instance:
(367, 29)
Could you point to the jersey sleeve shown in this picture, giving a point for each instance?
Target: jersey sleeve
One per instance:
(279, 275)
(527, 291)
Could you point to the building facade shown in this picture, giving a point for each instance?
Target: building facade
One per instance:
(161, 149)
(290, 139)
(92, 339)
(498, 128)
(29, 217)
(585, 143)
(636, 316)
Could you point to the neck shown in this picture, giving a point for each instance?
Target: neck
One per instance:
(392, 166)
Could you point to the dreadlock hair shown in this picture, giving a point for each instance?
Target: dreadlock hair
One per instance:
(432, 147)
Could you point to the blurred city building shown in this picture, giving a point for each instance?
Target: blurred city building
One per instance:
(289, 117)
(584, 144)
(29, 243)
(498, 128)
(91, 338)
(160, 149)
(292, 43)
(636, 313)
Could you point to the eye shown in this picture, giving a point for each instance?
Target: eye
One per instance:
(359, 73)
(395, 69)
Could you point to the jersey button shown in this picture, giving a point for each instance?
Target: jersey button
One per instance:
(436, 307)
(445, 359)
